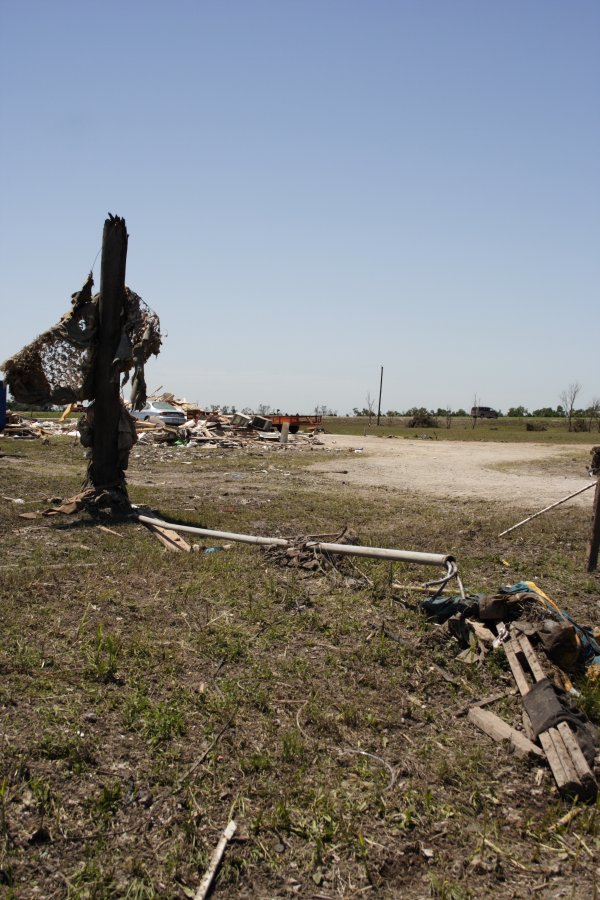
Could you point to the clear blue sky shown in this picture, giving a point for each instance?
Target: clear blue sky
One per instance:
(315, 189)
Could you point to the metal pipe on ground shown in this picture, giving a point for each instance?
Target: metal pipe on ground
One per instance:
(546, 508)
(407, 556)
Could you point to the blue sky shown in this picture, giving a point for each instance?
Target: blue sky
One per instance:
(313, 190)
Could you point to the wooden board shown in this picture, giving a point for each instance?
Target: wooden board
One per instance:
(499, 730)
(580, 763)
(172, 540)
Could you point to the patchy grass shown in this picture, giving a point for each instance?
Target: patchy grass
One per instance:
(148, 696)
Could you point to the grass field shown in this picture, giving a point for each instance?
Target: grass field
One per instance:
(148, 696)
(461, 429)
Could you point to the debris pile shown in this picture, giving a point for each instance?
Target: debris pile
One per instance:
(213, 428)
(302, 553)
(553, 725)
(57, 367)
(19, 427)
(202, 430)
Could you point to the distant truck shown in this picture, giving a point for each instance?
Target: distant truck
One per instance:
(483, 412)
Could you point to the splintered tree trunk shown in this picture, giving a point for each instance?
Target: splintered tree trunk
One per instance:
(105, 471)
(592, 561)
(594, 548)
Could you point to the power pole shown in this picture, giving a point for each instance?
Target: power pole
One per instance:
(380, 387)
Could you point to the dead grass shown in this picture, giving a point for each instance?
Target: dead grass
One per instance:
(573, 461)
(148, 696)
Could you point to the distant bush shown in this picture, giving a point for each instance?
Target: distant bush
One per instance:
(536, 426)
(580, 425)
(423, 420)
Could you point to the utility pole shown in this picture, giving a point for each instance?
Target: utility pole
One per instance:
(379, 405)
(105, 473)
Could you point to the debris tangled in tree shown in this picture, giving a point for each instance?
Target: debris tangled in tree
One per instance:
(57, 367)
(82, 358)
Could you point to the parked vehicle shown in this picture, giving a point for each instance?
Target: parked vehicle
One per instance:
(160, 412)
(483, 412)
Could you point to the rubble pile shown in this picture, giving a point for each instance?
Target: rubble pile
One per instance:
(19, 427)
(203, 429)
(212, 428)
(544, 647)
(300, 555)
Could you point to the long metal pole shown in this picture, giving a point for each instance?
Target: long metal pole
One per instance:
(409, 556)
(546, 508)
(380, 388)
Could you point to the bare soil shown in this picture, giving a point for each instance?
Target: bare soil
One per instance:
(522, 474)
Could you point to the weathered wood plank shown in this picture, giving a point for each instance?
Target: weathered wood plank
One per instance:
(172, 540)
(499, 730)
(580, 763)
(531, 657)
(564, 775)
(516, 667)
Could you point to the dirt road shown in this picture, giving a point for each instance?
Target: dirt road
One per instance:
(528, 475)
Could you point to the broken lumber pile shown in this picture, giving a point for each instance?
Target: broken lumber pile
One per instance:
(569, 766)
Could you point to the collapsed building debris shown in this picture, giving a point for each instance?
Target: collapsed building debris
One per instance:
(568, 740)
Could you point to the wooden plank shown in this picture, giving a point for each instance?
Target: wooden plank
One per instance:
(580, 763)
(527, 726)
(531, 657)
(566, 778)
(172, 540)
(499, 730)
(517, 669)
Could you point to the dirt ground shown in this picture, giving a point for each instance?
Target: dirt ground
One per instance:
(531, 475)
(148, 696)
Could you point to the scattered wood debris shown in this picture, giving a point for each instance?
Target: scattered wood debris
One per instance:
(569, 766)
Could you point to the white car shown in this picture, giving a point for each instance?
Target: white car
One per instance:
(161, 411)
